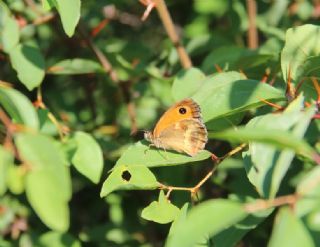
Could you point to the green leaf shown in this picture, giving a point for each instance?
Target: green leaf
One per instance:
(4, 14)
(222, 123)
(161, 211)
(29, 63)
(48, 185)
(69, 12)
(217, 7)
(223, 56)
(44, 192)
(289, 231)
(129, 178)
(88, 158)
(48, 4)
(279, 138)
(231, 235)
(180, 219)
(313, 220)
(6, 160)
(142, 154)
(75, 66)
(19, 107)
(235, 58)
(186, 83)
(206, 220)
(309, 189)
(225, 94)
(16, 179)
(58, 239)
(266, 166)
(302, 44)
(10, 34)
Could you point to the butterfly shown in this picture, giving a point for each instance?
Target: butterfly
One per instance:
(180, 128)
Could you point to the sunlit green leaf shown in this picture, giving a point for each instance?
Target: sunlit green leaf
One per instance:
(48, 4)
(309, 190)
(6, 160)
(278, 138)
(180, 219)
(266, 166)
(29, 64)
(161, 211)
(19, 107)
(206, 220)
(289, 231)
(228, 93)
(88, 158)
(142, 154)
(58, 239)
(75, 66)
(16, 179)
(226, 122)
(231, 235)
(10, 34)
(302, 44)
(186, 83)
(129, 178)
(48, 185)
(69, 13)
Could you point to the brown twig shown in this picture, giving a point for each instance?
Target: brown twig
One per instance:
(193, 190)
(252, 30)
(278, 107)
(43, 19)
(110, 12)
(125, 89)
(40, 104)
(6, 121)
(317, 87)
(259, 205)
(167, 22)
(101, 57)
(11, 128)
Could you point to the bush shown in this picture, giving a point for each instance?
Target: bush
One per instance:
(79, 83)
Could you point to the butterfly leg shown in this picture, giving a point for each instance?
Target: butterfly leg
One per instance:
(165, 156)
(150, 145)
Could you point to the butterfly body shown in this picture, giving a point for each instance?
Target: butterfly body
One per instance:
(180, 128)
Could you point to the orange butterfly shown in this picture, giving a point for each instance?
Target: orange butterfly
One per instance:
(180, 128)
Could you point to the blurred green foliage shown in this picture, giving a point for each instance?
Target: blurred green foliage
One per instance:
(68, 124)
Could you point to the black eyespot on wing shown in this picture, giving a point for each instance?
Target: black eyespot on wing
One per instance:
(126, 176)
(182, 110)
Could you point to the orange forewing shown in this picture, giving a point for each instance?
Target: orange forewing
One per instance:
(180, 129)
(173, 115)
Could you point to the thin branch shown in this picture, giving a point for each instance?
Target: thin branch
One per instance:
(110, 12)
(259, 205)
(124, 87)
(317, 87)
(278, 107)
(252, 30)
(40, 104)
(44, 19)
(101, 57)
(11, 128)
(169, 26)
(193, 190)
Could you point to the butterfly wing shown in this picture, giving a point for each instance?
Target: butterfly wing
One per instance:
(191, 110)
(188, 135)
